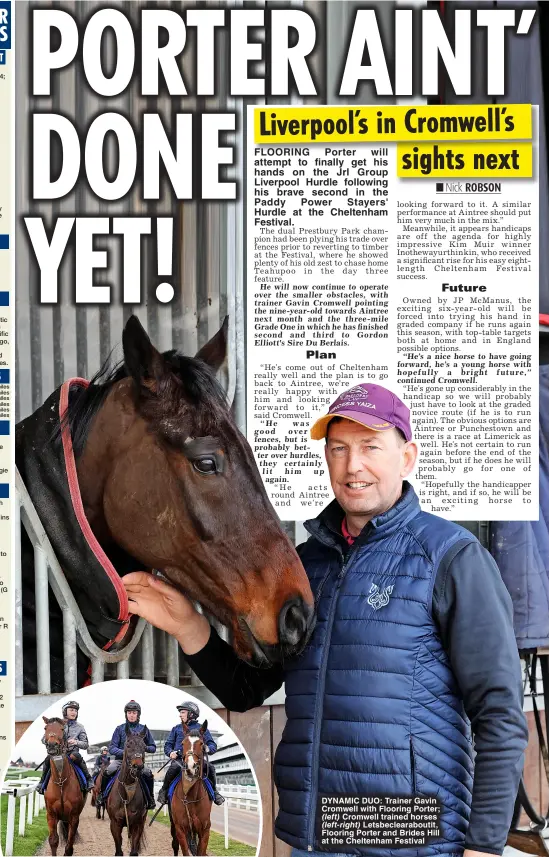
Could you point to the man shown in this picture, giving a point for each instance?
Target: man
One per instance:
(102, 759)
(132, 713)
(189, 713)
(413, 646)
(76, 738)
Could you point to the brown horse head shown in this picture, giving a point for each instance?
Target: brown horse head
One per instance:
(134, 749)
(166, 475)
(193, 749)
(54, 731)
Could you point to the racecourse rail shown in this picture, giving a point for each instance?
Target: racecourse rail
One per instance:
(31, 803)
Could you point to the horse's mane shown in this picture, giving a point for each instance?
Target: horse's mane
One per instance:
(188, 382)
(55, 720)
(193, 733)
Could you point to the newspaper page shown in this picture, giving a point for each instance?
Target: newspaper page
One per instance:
(410, 260)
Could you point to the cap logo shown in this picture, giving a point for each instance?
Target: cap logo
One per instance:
(350, 402)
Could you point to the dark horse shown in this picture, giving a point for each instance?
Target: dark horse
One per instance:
(126, 804)
(96, 789)
(164, 480)
(190, 807)
(64, 798)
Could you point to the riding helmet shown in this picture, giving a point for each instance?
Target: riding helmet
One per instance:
(132, 705)
(105, 748)
(192, 708)
(70, 704)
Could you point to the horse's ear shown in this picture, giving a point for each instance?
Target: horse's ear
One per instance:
(214, 353)
(203, 727)
(143, 732)
(45, 719)
(143, 362)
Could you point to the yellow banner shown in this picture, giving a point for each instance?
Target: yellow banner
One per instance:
(391, 123)
(467, 160)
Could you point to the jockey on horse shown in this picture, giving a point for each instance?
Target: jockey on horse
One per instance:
(132, 710)
(100, 761)
(189, 714)
(76, 738)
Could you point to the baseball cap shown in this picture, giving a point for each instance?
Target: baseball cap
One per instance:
(372, 406)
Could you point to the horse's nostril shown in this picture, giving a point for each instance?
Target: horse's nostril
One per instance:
(293, 622)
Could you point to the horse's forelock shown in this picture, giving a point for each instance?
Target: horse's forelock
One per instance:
(188, 401)
(55, 720)
(188, 393)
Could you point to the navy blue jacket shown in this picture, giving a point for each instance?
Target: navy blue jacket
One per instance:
(98, 761)
(118, 739)
(175, 739)
(375, 703)
(521, 548)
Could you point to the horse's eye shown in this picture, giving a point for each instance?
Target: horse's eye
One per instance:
(205, 465)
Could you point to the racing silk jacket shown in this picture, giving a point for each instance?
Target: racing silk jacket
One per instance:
(118, 740)
(175, 740)
(74, 729)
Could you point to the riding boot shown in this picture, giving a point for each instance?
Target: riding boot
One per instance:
(85, 771)
(218, 798)
(45, 769)
(149, 782)
(171, 774)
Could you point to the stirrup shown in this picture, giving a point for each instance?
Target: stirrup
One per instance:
(218, 799)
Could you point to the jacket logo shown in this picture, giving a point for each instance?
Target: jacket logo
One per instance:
(379, 598)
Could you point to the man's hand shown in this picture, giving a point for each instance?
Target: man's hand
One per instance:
(173, 755)
(71, 742)
(165, 608)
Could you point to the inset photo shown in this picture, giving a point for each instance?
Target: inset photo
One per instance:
(130, 767)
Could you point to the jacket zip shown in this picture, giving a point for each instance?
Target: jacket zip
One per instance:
(320, 696)
(412, 766)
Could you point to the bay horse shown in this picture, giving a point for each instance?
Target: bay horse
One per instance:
(166, 481)
(96, 789)
(190, 806)
(126, 804)
(63, 796)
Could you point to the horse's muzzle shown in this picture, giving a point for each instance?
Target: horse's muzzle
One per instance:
(296, 622)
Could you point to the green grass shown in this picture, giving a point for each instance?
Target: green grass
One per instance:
(35, 833)
(216, 845)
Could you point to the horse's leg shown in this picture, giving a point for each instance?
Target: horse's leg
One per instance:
(136, 834)
(71, 835)
(183, 834)
(53, 838)
(116, 830)
(175, 841)
(203, 839)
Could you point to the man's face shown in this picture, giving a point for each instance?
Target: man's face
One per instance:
(71, 713)
(367, 467)
(132, 716)
(184, 715)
